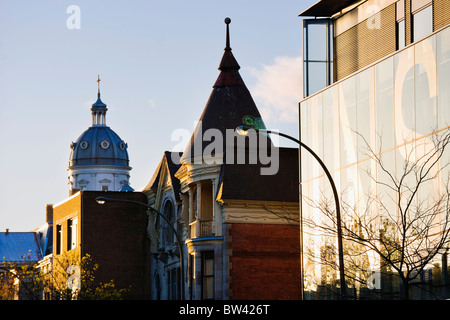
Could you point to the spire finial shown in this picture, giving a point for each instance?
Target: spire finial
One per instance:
(98, 108)
(228, 62)
(227, 22)
(98, 84)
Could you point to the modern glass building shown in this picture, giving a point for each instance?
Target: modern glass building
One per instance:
(380, 127)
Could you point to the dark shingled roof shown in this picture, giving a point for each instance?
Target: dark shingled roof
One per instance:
(173, 168)
(283, 186)
(229, 105)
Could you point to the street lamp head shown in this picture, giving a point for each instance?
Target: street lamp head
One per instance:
(242, 130)
(101, 200)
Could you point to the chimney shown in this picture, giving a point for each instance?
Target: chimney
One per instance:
(49, 212)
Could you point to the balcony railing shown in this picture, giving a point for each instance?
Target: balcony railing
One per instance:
(206, 228)
(201, 228)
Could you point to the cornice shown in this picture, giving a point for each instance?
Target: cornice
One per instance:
(260, 212)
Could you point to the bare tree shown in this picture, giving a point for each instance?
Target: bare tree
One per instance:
(403, 225)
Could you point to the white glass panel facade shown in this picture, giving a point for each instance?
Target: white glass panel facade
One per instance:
(391, 110)
(443, 77)
(384, 99)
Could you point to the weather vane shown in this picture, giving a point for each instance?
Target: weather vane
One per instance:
(98, 83)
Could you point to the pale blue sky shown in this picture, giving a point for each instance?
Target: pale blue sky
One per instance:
(157, 60)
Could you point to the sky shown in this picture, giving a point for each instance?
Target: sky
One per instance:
(157, 61)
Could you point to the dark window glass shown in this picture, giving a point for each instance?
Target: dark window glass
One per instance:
(317, 55)
(208, 275)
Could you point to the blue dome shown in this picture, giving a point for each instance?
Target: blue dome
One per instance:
(99, 145)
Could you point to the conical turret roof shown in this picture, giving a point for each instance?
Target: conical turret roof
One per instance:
(230, 105)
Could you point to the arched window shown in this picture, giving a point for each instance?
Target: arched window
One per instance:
(168, 213)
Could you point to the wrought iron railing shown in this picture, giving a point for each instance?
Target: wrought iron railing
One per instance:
(206, 228)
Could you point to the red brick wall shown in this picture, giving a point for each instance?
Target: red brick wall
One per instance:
(265, 262)
(114, 234)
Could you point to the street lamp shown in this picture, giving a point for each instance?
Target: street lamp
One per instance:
(103, 200)
(243, 130)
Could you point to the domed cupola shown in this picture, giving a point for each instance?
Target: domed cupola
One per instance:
(99, 158)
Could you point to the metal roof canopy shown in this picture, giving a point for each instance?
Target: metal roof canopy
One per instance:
(19, 247)
(326, 8)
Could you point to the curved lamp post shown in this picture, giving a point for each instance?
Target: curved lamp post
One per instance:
(103, 200)
(243, 130)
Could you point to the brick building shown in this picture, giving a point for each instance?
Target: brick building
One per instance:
(239, 226)
(113, 235)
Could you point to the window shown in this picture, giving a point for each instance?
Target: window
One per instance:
(158, 287)
(58, 239)
(191, 266)
(422, 21)
(207, 275)
(401, 26)
(401, 38)
(317, 54)
(206, 201)
(83, 145)
(174, 292)
(104, 188)
(72, 233)
(104, 144)
(194, 205)
(168, 213)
